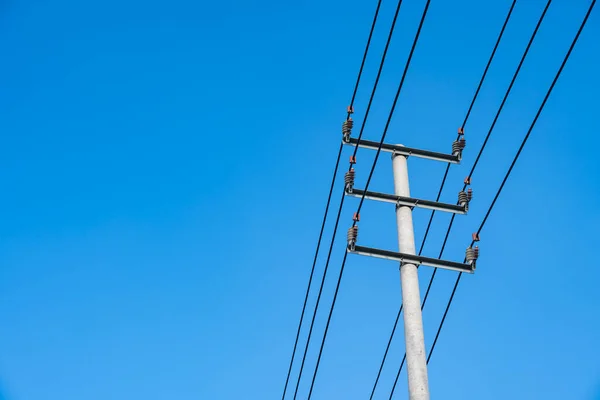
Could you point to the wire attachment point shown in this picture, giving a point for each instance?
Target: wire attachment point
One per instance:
(347, 129)
(352, 237)
(356, 217)
(458, 146)
(463, 198)
(349, 180)
(472, 254)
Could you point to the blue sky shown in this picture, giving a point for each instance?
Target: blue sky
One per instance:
(165, 166)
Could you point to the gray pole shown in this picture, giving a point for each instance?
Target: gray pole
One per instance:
(418, 386)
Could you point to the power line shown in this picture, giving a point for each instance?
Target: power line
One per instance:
(442, 186)
(492, 126)
(383, 58)
(312, 271)
(337, 163)
(564, 62)
(407, 65)
(318, 299)
(389, 120)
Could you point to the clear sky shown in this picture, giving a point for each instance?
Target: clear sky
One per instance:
(164, 167)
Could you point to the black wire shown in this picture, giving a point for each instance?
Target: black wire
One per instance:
(366, 187)
(483, 76)
(509, 89)
(312, 271)
(564, 62)
(525, 53)
(389, 120)
(487, 67)
(385, 50)
(386, 351)
(362, 64)
(383, 58)
(337, 163)
(312, 322)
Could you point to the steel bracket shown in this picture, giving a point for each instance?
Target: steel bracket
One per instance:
(403, 150)
(404, 258)
(408, 201)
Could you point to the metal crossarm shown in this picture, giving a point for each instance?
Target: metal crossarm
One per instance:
(412, 259)
(406, 151)
(408, 201)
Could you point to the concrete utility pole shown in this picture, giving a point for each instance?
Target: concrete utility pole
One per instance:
(418, 386)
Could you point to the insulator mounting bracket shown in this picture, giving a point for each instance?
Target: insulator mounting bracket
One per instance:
(408, 201)
(404, 258)
(403, 150)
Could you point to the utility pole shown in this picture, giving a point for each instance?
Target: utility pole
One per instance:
(418, 386)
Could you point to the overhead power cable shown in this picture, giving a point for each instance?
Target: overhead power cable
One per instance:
(383, 58)
(401, 84)
(483, 76)
(535, 119)
(491, 129)
(337, 163)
